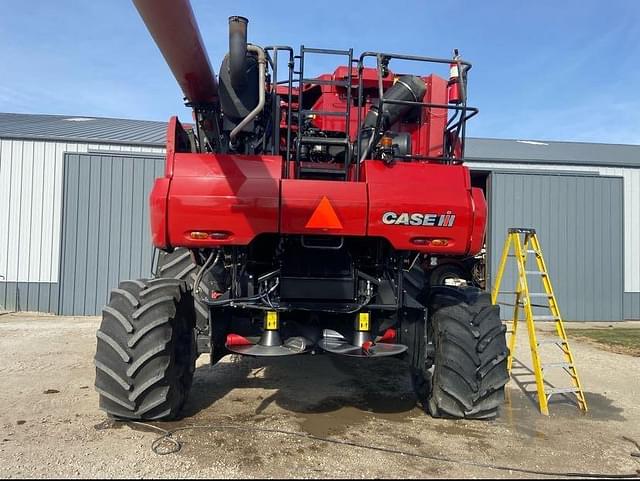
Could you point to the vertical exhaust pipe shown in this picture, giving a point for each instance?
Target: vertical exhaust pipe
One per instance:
(238, 51)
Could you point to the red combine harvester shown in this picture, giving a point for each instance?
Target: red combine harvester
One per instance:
(307, 215)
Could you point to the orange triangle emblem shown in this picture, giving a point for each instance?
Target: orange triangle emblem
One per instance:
(324, 217)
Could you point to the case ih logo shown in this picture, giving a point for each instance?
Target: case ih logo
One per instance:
(429, 220)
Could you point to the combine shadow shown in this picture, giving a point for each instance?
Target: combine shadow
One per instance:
(305, 385)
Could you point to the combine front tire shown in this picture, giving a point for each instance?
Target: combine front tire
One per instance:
(145, 356)
(470, 366)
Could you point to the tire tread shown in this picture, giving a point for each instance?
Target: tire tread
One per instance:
(466, 319)
(144, 350)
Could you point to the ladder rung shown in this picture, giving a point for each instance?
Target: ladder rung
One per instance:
(324, 141)
(325, 51)
(561, 390)
(531, 251)
(339, 83)
(509, 304)
(328, 113)
(545, 318)
(557, 343)
(320, 171)
(539, 294)
(541, 273)
(554, 365)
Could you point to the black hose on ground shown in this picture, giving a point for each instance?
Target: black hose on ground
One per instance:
(175, 446)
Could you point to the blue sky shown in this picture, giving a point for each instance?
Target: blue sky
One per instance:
(552, 70)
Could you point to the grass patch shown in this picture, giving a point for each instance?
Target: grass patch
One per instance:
(621, 340)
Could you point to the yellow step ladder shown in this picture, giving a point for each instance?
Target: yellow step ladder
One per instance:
(522, 247)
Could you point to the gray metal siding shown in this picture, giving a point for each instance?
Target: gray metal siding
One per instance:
(106, 236)
(29, 296)
(632, 305)
(31, 205)
(579, 221)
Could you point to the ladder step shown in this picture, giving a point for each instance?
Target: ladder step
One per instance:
(315, 81)
(539, 294)
(545, 318)
(324, 141)
(554, 365)
(540, 273)
(319, 171)
(325, 51)
(561, 390)
(557, 343)
(521, 304)
(328, 113)
(531, 251)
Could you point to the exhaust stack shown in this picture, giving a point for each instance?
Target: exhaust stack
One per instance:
(175, 32)
(238, 51)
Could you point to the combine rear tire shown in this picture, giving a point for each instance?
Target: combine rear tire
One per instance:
(179, 265)
(145, 355)
(470, 368)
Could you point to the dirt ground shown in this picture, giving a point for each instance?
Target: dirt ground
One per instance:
(50, 425)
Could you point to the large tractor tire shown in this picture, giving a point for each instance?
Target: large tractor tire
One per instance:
(443, 274)
(179, 265)
(145, 355)
(470, 365)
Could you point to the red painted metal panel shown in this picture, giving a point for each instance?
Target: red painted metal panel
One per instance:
(234, 195)
(479, 220)
(414, 202)
(172, 132)
(158, 212)
(301, 198)
(436, 119)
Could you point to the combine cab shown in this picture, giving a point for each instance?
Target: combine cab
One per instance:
(301, 214)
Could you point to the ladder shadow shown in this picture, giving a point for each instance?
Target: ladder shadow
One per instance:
(532, 395)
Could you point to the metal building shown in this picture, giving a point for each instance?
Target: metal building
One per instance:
(73, 203)
(73, 215)
(584, 201)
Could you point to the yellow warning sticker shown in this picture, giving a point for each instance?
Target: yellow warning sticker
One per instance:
(272, 321)
(363, 321)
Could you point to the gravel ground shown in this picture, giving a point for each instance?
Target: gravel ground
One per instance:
(50, 425)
